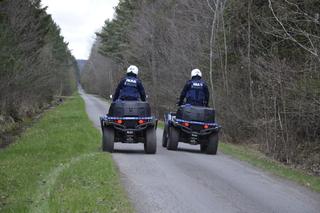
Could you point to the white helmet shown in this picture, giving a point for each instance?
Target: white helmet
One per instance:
(196, 72)
(133, 69)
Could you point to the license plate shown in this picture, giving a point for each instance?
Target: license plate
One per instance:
(129, 132)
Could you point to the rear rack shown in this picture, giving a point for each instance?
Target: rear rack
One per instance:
(196, 122)
(104, 118)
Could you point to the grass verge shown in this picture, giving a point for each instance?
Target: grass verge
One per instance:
(160, 124)
(56, 166)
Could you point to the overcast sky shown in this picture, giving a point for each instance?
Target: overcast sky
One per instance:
(79, 20)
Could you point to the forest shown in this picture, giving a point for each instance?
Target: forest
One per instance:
(260, 59)
(36, 65)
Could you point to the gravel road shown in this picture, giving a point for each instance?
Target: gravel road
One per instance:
(189, 181)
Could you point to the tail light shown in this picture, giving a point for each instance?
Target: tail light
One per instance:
(186, 124)
(141, 122)
(119, 121)
(206, 126)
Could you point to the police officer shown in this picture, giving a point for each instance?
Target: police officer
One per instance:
(130, 87)
(195, 91)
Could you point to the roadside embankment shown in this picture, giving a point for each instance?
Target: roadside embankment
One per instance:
(13, 126)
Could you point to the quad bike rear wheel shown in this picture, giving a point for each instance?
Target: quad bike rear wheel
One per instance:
(203, 147)
(150, 144)
(173, 139)
(165, 137)
(108, 139)
(213, 144)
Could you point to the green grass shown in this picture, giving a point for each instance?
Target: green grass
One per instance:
(57, 166)
(160, 124)
(258, 159)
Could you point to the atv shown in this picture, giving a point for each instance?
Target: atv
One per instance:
(193, 125)
(129, 122)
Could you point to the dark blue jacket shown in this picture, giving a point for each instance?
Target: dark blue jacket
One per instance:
(130, 88)
(195, 92)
